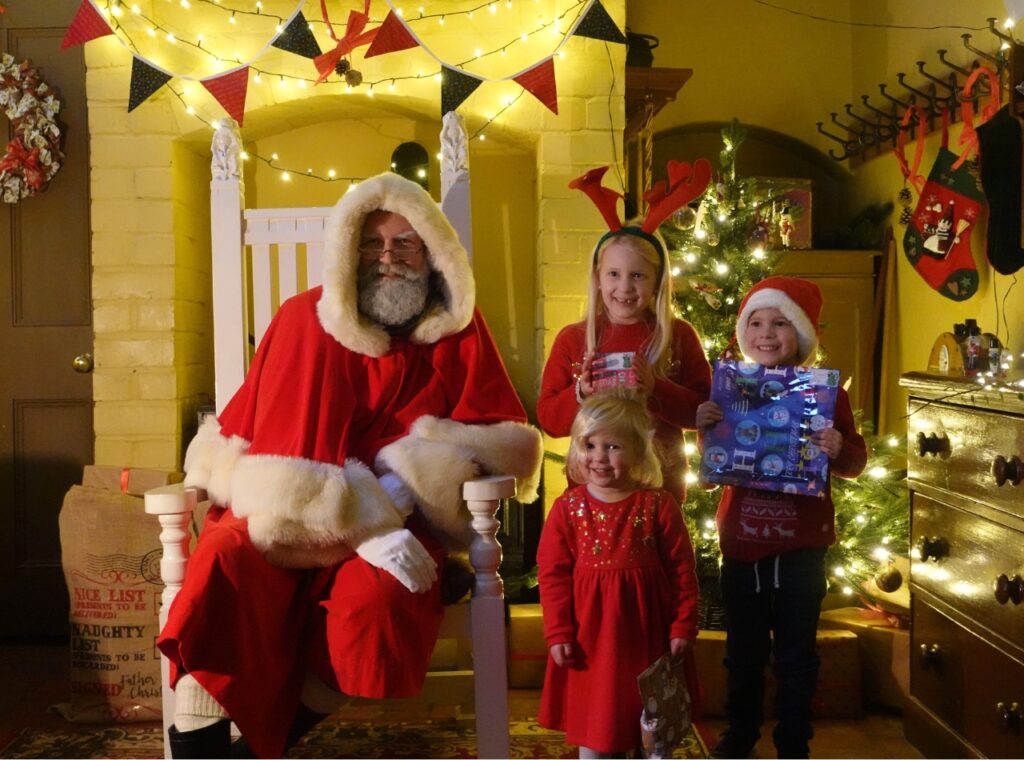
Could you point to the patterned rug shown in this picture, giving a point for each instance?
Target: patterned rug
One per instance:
(422, 739)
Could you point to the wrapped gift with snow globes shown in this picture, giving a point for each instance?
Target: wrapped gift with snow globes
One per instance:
(770, 414)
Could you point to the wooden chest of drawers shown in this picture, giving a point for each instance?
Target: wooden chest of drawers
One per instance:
(966, 477)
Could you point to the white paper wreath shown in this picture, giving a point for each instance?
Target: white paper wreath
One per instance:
(33, 154)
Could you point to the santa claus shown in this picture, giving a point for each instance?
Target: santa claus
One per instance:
(335, 472)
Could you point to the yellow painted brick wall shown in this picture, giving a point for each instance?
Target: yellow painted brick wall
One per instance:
(147, 238)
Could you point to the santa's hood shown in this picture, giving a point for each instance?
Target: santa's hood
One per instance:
(338, 308)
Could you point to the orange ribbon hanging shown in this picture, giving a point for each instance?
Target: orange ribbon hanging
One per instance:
(911, 172)
(969, 136)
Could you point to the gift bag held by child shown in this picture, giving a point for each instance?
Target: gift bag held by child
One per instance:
(111, 557)
(666, 717)
(938, 239)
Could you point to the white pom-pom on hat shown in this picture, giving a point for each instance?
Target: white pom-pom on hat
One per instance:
(799, 301)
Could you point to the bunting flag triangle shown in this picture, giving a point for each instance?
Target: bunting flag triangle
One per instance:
(87, 25)
(456, 86)
(297, 38)
(229, 90)
(391, 37)
(539, 81)
(599, 25)
(145, 81)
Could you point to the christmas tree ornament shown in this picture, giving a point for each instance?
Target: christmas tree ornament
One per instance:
(906, 215)
(353, 78)
(341, 67)
(905, 197)
(683, 219)
(889, 579)
(938, 239)
(714, 238)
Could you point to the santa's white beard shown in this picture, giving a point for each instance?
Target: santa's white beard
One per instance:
(393, 301)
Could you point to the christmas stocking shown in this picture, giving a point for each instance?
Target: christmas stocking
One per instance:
(938, 238)
(999, 141)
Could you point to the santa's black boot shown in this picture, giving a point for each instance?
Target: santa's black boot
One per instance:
(213, 741)
(305, 721)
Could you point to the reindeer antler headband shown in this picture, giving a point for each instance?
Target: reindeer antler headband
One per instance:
(685, 182)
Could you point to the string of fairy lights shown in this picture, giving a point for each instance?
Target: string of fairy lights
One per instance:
(114, 10)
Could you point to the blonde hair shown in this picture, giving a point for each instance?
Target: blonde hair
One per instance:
(657, 349)
(621, 414)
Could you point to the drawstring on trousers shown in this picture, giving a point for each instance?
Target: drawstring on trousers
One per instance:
(757, 575)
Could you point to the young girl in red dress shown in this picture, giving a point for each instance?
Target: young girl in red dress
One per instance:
(630, 310)
(617, 580)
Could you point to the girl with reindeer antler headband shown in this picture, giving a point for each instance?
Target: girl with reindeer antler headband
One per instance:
(630, 337)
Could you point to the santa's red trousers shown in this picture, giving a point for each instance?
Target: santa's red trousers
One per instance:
(249, 632)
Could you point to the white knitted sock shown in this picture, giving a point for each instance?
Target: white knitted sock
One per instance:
(194, 707)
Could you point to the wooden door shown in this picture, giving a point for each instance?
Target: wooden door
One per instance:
(46, 431)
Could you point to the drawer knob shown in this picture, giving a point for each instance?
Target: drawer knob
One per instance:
(1007, 589)
(932, 444)
(1011, 469)
(931, 656)
(934, 548)
(1010, 716)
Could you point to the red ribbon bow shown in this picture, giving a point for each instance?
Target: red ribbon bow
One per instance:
(25, 161)
(354, 37)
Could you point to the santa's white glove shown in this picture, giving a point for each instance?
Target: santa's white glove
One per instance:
(399, 493)
(401, 554)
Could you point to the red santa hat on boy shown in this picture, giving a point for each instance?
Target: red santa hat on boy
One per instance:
(799, 301)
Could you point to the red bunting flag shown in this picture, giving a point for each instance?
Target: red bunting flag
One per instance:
(539, 81)
(391, 37)
(87, 25)
(229, 90)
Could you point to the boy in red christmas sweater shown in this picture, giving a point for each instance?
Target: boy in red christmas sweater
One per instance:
(773, 544)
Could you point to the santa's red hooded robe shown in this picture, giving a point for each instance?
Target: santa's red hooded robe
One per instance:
(331, 401)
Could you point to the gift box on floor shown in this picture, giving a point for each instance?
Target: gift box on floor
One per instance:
(884, 653)
(527, 649)
(838, 693)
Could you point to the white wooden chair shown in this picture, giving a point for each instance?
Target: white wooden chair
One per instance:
(245, 243)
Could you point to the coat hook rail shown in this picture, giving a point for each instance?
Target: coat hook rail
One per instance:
(874, 129)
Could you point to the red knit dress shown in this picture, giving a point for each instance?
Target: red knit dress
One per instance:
(617, 581)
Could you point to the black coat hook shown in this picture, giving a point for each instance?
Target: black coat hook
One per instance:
(897, 101)
(949, 83)
(966, 37)
(866, 138)
(850, 148)
(928, 95)
(958, 69)
(887, 122)
(1002, 36)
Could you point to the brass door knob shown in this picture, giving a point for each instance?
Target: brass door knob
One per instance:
(82, 363)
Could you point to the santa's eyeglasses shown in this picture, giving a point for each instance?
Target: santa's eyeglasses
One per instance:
(401, 249)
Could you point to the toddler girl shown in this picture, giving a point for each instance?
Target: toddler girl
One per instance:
(617, 580)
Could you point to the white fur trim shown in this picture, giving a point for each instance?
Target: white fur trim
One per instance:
(301, 513)
(767, 298)
(439, 455)
(211, 459)
(338, 307)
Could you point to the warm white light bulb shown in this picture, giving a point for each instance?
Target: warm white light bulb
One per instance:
(331, 173)
(286, 177)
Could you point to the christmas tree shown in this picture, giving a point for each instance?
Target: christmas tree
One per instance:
(731, 240)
